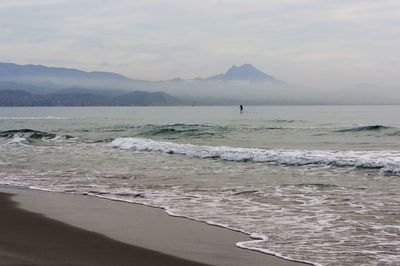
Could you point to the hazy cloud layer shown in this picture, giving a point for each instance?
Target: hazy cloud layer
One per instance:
(319, 43)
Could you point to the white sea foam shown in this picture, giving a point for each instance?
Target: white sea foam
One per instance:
(18, 140)
(296, 231)
(387, 161)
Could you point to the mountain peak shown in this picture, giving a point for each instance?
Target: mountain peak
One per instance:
(244, 66)
(245, 72)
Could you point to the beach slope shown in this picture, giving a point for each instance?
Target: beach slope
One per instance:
(45, 228)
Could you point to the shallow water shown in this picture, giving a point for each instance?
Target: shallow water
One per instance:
(311, 183)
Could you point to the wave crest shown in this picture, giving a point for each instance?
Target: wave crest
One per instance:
(386, 161)
(29, 135)
(173, 131)
(365, 128)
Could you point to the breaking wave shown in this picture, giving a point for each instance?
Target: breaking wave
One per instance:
(387, 161)
(30, 135)
(182, 130)
(286, 121)
(365, 128)
(170, 131)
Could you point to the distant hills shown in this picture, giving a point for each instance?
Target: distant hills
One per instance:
(77, 97)
(44, 79)
(13, 72)
(10, 71)
(38, 85)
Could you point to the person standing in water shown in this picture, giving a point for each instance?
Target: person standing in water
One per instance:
(241, 109)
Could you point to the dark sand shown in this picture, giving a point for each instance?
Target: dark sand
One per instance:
(39, 238)
(28, 238)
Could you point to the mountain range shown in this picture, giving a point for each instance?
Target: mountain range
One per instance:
(38, 85)
(12, 72)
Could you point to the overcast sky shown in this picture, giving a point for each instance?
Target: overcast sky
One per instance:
(317, 43)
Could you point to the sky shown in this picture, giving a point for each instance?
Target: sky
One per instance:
(324, 44)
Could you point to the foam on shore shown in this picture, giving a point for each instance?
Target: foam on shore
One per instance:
(142, 226)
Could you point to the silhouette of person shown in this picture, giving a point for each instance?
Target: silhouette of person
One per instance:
(241, 109)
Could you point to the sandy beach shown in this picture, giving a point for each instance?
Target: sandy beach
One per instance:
(45, 228)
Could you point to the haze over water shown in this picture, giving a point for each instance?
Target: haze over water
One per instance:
(309, 183)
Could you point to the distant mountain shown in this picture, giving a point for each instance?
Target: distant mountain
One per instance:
(10, 71)
(37, 85)
(102, 92)
(15, 72)
(32, 88)
(76, 99)
(245, 72)
(19, 98)
(65, 86)
(84, 97)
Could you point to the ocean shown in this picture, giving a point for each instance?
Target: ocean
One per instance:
(319, 184)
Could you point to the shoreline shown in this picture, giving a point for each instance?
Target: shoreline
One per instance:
(144, 227)
(28, 238)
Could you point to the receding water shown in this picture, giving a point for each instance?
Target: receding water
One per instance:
(311, 183)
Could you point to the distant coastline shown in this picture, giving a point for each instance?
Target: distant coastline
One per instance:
(84, 98)
(38, 85)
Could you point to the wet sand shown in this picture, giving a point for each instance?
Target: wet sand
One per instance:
(28, 238)
(45, 228)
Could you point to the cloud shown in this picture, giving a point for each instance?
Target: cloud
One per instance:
(24, 3)
(340, 42)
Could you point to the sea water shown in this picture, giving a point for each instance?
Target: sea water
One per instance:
(319, 184)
